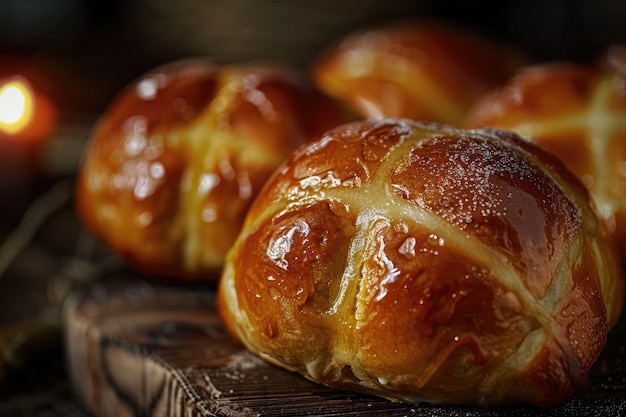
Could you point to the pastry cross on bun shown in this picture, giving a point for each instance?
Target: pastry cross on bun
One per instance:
(420, 262)
(578, 113)
(176, 159)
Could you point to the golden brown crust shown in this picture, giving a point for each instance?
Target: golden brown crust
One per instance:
(576, 112)
(424, 263)
(417, 69)
(173, 164)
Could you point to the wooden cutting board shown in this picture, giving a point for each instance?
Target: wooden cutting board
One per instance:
(135, 347)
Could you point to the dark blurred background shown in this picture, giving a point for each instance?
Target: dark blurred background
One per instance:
(81, 52)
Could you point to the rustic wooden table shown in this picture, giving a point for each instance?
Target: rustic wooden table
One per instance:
(138, 347)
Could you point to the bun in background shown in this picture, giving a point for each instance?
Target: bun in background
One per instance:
(578, 113)
(416, 69)
(175, 161)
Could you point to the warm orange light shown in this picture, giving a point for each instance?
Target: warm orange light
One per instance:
(16, 106)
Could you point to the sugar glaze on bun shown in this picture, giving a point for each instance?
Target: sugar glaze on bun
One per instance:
(420, 262)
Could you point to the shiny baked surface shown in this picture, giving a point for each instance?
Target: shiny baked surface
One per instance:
(176, 159)
(423, 263)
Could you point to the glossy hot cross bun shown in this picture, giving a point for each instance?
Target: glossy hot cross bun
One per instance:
(176, 159)
(417, 69)
(420, 262)
(578, 113)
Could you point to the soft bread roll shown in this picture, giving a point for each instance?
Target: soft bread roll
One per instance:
(420, 70)
(176, 159)
(419, 262)
(577, 112)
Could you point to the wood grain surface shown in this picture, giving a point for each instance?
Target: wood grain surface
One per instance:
(135, 347)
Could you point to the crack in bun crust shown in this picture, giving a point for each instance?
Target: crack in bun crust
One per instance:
(420, 262)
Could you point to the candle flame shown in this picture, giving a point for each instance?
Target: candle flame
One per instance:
(16, 106)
